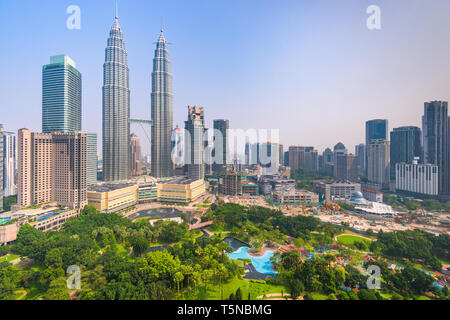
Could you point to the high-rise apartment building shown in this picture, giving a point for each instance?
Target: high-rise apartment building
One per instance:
(327, 162)
(346, 167)
(406, 145)
(296, 157)
(116, 108)
(311, 159)
(208, 150)
(417, 178)
(135, 155)
(378, 162)
(9, 166)
(162, 111)
(360, 153)
(252, 153)
(375, 130)
(194, 143)
(435, 140)
(61, 95)
(92, 158)
(303, 157)
(1, 168)
(269, 157)
(52, 167)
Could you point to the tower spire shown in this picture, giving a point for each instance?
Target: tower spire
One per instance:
(117, 10)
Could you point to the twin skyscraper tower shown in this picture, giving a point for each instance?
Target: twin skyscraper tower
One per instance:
(116, 110)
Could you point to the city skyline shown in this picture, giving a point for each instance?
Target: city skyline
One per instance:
(401, 105)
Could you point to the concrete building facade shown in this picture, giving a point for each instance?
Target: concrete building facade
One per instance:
(417, 178)
(378, 161)
(194, 143)
(135, 156)
(435, 140)
(52, 167)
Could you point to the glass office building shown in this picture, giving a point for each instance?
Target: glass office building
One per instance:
(162, 111)
(116, 108)
(61, 96)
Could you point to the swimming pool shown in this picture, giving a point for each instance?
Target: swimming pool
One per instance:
(48, 216)
(4, 220)
(262, 264)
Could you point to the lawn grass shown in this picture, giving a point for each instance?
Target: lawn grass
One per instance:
(14, 296)
(319, 296)
(386, 295)
(202, 206)
(256, 288)
(121, 250)
(34, 291)
(9, 258)
(349, 240)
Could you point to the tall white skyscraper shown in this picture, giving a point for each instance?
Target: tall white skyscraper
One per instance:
(9, 163)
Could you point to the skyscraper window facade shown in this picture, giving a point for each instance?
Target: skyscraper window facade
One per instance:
(435, 140)
(9, 163)
(375, 130)
(220, 152)
(378, 162)
(194, 155)
(405, 146)
(116, 108)
(162, 112)
(92, 158)
(61, 95)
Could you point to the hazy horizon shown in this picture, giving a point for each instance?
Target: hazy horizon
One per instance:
(309, 68)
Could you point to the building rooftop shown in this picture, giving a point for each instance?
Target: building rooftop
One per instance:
(376, 208)
(293, 192)
(371, 190)
(179, 180)
(46, 210)
(108, 187)
(341, 182)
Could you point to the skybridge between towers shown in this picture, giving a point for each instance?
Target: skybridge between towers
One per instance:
(142, 122)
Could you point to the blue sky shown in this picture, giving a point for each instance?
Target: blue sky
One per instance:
(309, 68)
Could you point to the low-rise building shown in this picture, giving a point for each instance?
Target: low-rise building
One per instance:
(232, 184)
(250, 189)
(295, 197)
(371, 209)
(336, 189)
(181, 189)
(44, 219)
(376, 211)
(147, 192)
(372, 194)
(109, 198)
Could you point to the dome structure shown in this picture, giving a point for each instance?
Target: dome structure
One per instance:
(339, 146)
(358, 198)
